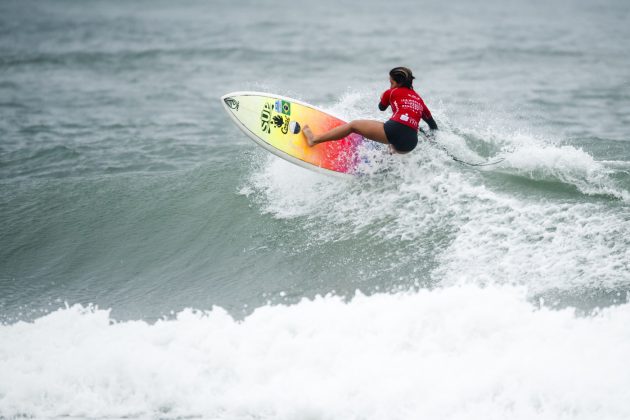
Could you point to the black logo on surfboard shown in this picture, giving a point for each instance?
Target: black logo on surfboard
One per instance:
(231, 103)
(265, 118)
(268, 120)
(281, 122)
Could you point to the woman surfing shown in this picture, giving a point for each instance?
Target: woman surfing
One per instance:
(400, 132)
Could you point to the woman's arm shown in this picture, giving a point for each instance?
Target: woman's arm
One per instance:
(428, 118)
(384, 102)
(431, 122)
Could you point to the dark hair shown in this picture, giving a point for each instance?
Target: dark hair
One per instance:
(402, 76)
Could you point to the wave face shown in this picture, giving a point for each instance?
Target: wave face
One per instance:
(154, 262)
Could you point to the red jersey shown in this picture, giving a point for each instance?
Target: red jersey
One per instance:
(407, 106)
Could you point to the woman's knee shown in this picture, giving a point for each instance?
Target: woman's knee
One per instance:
(358, 126)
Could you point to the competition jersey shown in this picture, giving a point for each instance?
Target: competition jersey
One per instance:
(407, 106)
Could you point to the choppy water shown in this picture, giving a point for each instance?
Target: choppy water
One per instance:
(155, 263)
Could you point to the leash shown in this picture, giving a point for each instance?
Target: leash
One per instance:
(455, 158)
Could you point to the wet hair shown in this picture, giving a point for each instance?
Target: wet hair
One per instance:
(402, 76)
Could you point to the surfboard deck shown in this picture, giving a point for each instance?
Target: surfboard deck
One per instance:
(275, 123)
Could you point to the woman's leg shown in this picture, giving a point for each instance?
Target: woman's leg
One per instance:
(369, 129)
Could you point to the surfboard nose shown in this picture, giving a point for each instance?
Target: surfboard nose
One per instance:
(230, 102)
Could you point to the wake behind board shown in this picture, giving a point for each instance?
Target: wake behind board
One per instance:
(275, 123)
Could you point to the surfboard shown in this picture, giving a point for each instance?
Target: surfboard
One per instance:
(275, 123)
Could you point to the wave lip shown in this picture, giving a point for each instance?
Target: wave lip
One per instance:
(460, 352)
(568, 165)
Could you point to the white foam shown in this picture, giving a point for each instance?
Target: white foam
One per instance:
(487, 237)
(457, 353)
(290, 191)
(538, 157)
(543, 246)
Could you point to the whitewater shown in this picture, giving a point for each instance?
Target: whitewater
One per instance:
(439, 354)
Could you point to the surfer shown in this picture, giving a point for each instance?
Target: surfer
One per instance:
(400, 131)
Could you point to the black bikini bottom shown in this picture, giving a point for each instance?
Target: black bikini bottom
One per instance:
(401, 136)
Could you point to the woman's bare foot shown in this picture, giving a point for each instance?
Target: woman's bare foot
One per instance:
(310, 137)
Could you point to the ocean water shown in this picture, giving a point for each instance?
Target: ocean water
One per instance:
(155, 263)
